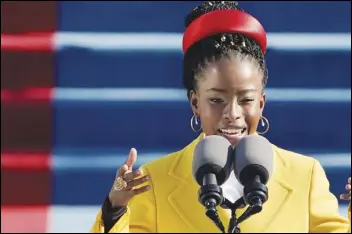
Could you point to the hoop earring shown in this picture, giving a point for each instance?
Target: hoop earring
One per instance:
(264, 121)
(195, 120)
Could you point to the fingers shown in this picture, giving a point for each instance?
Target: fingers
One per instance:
(128, 183)
(138, 191)
(345, 197)
(130, 161)
(132, 158)
(123, 169)
(132, 175)
(137, 182)
(348, 188)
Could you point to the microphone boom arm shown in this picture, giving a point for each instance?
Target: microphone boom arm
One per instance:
(255, 196)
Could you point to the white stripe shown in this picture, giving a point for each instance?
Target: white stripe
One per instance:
(336, 160)
(71, 219)
(164, 94)
(97, 162)
(79, 219)
(113, 161)
(173, 41)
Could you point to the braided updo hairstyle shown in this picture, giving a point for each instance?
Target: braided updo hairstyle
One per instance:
(216, 47)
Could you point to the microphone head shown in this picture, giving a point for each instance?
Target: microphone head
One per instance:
(213, 154)
(253, 156)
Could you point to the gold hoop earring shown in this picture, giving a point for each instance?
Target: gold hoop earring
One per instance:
(264, 121)
(195, 120)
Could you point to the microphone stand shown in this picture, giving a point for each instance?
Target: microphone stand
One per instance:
(233, 224)
(234, 221)
(255, 195)
(210, 195)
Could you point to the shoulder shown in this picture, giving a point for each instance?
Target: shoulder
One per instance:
(295, 161)
(163, 164)
(297, 171)
(293, 157)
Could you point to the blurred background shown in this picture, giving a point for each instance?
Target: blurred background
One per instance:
(83, 82)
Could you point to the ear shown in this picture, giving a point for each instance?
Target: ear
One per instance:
(262, 103)
(194, 101)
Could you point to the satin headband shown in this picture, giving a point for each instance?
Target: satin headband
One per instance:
(224, 21)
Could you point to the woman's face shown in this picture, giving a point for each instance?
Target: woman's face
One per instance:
(229, 98)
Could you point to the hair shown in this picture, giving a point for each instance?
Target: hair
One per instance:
(218, 46)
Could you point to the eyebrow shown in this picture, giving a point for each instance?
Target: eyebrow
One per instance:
(225, 91)
(217, 90)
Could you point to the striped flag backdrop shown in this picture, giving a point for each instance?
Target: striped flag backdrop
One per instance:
(82, 82)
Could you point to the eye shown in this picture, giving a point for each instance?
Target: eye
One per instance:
(247, 100)
(216, 100)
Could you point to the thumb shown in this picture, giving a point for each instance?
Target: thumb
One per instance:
(132, 158)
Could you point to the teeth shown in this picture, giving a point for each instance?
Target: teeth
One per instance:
(230, 131)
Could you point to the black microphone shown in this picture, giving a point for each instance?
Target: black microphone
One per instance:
(211, 167)
(253, 166)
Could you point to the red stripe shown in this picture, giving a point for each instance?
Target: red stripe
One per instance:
(41, 41)
(31, 161)
(24, 219)
(28, 94)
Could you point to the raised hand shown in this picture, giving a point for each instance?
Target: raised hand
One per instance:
(126, 181)
(347, 196)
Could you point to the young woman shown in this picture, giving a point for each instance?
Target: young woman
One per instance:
(225, 76)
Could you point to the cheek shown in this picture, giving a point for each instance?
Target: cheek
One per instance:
(210, 115)
(252, 108)
(252, 116)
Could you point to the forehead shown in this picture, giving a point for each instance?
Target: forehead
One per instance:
(232, 73)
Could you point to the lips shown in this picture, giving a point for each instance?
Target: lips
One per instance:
(233, 135)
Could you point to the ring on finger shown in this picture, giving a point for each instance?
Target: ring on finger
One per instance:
(120, 184)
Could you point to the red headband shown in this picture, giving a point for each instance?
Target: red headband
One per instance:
(224, 21)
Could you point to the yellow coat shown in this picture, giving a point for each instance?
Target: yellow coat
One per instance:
(299, 200)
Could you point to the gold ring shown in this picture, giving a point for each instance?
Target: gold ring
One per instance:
(120, 184)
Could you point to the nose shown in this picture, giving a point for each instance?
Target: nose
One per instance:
(233, 111)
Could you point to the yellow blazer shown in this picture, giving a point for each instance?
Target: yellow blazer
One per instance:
(299, 200)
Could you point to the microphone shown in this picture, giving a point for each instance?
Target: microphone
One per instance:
(211, 167)
(253, 166)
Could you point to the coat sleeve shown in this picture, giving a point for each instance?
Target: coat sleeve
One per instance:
(139, 218)
(323, 206)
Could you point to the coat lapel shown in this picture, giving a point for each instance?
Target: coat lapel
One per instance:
(184, 199)
(280, 193)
